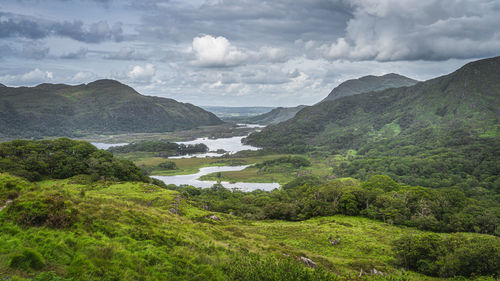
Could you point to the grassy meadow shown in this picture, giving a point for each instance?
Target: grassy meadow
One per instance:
(139, 231)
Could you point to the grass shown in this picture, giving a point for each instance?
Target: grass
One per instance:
(128, 231)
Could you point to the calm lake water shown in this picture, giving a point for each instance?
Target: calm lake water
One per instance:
(193, 179)
(231, 145)
(105, 146)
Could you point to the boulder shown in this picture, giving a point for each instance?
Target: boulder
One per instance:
(308, 262)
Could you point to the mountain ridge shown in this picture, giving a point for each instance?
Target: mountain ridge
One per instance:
(103, 106)
(369, 83)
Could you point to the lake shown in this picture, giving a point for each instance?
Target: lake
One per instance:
(193, 179)
(231, 145)
(105, 146)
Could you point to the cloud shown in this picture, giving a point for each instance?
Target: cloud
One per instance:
(13, 25)
(391, 30)
(272, 54)
(83, 76)
(216, 52)
(94, 33)
(126, 53)
(142, 73)
(35, 76)
(35, 50)
(78, 54)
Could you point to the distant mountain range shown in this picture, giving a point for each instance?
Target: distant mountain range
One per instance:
(467, 99)
(100, 107)
(237, 111)
(348, 88)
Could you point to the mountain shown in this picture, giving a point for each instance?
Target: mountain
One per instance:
(236, 111)
(101, 107)
(347, 88)
(440, 132)
(2, 85)
(276, 115)
(368, 84)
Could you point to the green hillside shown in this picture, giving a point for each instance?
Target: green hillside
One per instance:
(442, 132)
(67, 230)
(90, 216)
(368, 84)
(100, 107)
(347, 88)
(276, 115)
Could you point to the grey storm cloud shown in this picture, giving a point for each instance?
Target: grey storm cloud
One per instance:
(33, 28)
(248, 21)
(35, 50)
(126, 53)
(391, 30)
(78, 54)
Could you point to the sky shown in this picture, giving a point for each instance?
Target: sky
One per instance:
(240, 52)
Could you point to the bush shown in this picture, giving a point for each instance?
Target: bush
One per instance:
(169, 165)
(452, 255)
(256, 268)
(28, 259)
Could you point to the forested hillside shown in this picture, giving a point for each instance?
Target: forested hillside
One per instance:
(442, 132)
(100, 107)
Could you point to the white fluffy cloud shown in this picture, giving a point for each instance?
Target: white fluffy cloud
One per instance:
(390, 30)
(216, 52)
(142, 73)
(33, 77)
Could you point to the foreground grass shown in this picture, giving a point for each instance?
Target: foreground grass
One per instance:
(138, 231)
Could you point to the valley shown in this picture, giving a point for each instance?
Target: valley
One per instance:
(390, 184)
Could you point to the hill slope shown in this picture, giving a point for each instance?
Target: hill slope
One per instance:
(450, 118)
(65, 230)
(347, 88)
(369, 83)
(103, 106)
(276, 115)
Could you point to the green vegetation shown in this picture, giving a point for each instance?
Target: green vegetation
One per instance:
(441, 210)
(63, 158)
(100, 107)
(162, 149)
(448, 256)
(402, 184)
(439, 133)
(168, 165)
(369, 83)
(275, 116)
(140, 231)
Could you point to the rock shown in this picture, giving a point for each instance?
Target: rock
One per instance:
(213, 217)
(7, 203)
(173, 211)
(377, 272)
(333, 242)
(308, 262)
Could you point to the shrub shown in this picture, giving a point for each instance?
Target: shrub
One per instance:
(452, 255)
(28, 259)
(169, 165)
